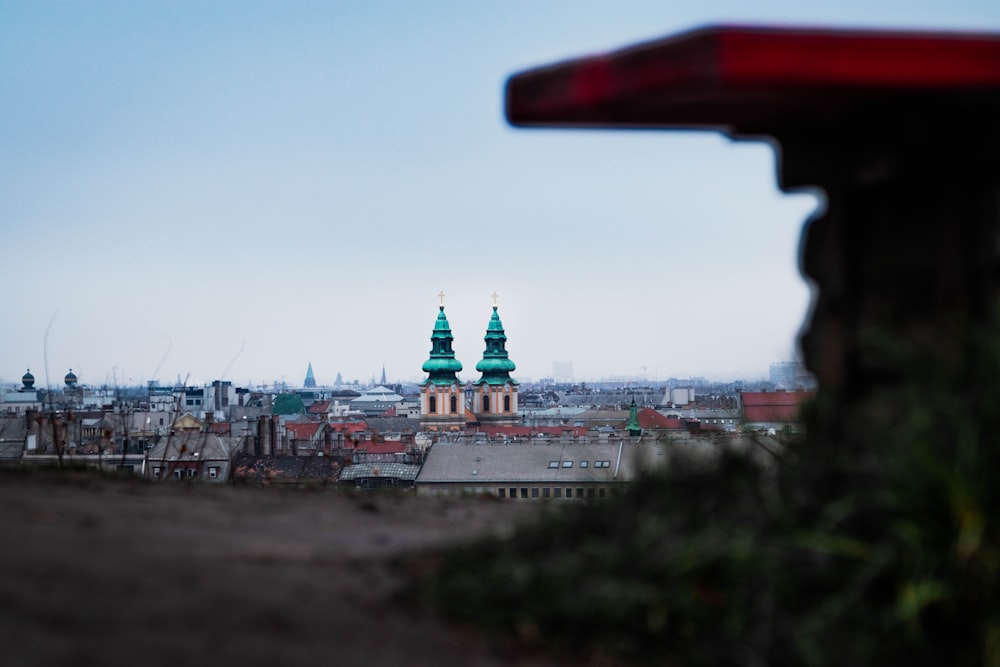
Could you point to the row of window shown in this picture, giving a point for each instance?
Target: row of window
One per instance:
(432, 404)
(583, 464)
(486, 403)
(181, 473)
(534, 492)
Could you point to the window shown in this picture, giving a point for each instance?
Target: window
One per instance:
(600, 492)
(545, 492)
(553, 464)
(513, 493)
(191, 472)
(534, 492)
(501, 492)
(583, 464)
(567, 464)
(486, 402)
(557, 492)
(506, 403)
(213, 471)
(189, 401)
(156, 471)
(432, 404)
(590, 492)
(524, 492)
(579, 492)
(179, 473)
(569, 492)
(161, 421)
(454, 404)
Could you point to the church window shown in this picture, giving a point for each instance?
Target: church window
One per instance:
(454, 404)
(486, 402)
(506, 403)
(432, 404)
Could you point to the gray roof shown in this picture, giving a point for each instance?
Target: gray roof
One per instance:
(13, 429)
(10, 452)
(543, 463)
(187, 446)
(393, 424)
(402, 471)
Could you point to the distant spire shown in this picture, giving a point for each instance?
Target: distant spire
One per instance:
(383, 375)
(632, 426)
(310, 380)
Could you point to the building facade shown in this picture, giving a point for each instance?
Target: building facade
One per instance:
(442, 399)
(494, 396)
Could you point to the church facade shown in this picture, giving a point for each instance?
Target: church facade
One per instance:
(493, 398)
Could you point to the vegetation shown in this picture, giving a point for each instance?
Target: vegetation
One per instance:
(877, 544)
(288, 404)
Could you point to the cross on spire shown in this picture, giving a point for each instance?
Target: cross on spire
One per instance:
(441, 296)
(494, 295)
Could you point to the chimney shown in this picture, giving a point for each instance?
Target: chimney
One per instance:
(272, 435)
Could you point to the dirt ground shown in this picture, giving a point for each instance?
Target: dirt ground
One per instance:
(98, 571)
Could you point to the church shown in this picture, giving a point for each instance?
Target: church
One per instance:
(493, 400)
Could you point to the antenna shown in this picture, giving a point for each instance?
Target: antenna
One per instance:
(233, 361)
(45, 354)
(170, 345)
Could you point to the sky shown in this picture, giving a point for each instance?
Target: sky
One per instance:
(232, 190)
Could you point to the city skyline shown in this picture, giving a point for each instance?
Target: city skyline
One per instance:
(233, 191)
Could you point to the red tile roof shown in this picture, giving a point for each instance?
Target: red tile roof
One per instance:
(303, 431)
(349, 427)
(773, 406)
(650, 418)
(319, 407)
(387, 447)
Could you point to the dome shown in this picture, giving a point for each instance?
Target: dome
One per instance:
(495, 365)
(70, 378)
(28, 379)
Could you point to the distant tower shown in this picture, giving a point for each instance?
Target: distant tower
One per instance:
(70, 379)
(442, 407)
(28, 380)
(310, 380)
(339, 381)
(494, 399)
(383, 376)
(632, 425)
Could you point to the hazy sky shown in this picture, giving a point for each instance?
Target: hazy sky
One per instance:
(201, 189)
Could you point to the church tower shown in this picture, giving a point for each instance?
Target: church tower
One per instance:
(442, 404)
(494, 399)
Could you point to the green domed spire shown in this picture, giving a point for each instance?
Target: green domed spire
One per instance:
(632, 425)
(29, 380)
(442, 364)
(495, 365)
